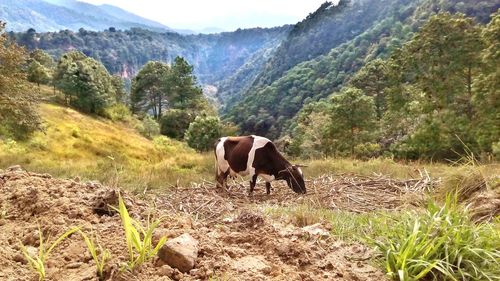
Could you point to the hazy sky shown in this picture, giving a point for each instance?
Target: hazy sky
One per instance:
(225, 14)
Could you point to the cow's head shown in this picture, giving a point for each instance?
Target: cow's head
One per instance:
(294, 178)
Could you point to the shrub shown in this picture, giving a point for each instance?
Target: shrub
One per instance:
(367, 150)
(175, 122)
(148, 127)
(118, 112)
(203, 132)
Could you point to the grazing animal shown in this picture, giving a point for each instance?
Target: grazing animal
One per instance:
(255, 156)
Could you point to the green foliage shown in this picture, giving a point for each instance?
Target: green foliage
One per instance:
(126, 51)
(432, 99)
(38, 74)
(85, 82)
(148, 90)
(175, 122)
(99, 255)
(352, 119)
(148, 127)
(38, 263)
(118, 112)
(441, 244)
(203, 132)
(18, 102)
(139, 238)
(41, 67)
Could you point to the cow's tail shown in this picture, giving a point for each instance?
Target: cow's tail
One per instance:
(216, 165)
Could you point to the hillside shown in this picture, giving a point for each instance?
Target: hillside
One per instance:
(54, 15)
(73, 144)
(299, 72)
(214, 56)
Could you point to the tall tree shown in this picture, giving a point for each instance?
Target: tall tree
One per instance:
(486, 87)
(182, 85)
(371, 79)
(149, 92)
(352, 119)
(18, 113)
(86, 83)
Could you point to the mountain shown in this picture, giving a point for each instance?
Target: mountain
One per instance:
(214, 56)
(321, 53)
(263, 77)
(53, 15)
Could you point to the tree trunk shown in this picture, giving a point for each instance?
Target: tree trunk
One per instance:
(469, 91)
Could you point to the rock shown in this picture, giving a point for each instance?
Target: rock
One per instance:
(15, 168)
(17, 257)
(180, 252)
(251, 264)
(316, 230)
(166, 270)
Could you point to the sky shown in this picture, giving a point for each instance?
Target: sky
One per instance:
(225, 14)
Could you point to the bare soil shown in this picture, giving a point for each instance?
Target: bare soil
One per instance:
(237, 240)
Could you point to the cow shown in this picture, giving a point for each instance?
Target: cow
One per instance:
(255, 156)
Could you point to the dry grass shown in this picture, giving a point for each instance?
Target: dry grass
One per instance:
(75, 144)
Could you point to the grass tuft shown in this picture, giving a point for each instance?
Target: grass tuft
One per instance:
(99, 255)
(139, 238)
(38, 263)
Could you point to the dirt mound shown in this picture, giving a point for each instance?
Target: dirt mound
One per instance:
(235, 242)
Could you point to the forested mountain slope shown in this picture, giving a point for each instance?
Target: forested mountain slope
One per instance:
(53, 15)
(214, 56)
(273, 100)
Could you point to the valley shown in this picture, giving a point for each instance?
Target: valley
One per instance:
(108, 122)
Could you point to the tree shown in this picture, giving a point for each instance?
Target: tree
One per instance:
(175, 122)
(41, 67)
(184, 92)
(171, 94)
(38, 74)
(352, 119)
(149, 93)
(371, 79)
(443, 59)
(486, 89)
(203, 132)
(86, 83)
(18, 113)
(439, 65)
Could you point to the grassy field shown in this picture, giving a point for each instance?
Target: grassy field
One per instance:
(74, 144)
(94, 148)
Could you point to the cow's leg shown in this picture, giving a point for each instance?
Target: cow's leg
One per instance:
(222, 179)
(268, 188)
(253, 181)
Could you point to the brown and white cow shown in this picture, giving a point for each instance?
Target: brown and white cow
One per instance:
(255, 156)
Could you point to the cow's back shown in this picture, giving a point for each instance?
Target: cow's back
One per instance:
(236, 152)
(232, 152)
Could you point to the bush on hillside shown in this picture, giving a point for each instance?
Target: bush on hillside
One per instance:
(148, 127)
(118, 112)
(203, 132)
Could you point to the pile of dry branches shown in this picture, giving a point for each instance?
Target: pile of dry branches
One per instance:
(343, 192)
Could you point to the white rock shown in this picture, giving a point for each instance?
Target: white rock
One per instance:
(316, 230)
(180, 252)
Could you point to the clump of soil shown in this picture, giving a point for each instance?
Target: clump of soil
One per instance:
(235, 242)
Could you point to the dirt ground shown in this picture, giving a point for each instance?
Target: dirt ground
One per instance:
(237, 241)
